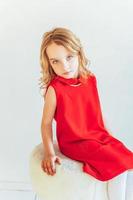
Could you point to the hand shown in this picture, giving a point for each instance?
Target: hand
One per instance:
(48, 164)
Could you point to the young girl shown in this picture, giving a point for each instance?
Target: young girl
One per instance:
(71, 98)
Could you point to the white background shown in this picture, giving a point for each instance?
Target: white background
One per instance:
(105, 29)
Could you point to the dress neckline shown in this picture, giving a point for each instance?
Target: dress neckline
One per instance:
(71, 81)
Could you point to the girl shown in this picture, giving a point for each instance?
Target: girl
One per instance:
(71, 98)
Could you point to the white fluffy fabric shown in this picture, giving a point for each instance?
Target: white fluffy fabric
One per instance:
(69, 182)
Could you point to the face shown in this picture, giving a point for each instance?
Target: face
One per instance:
(63, 62)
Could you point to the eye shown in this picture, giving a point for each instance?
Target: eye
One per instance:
(69, 57)
(54, 62)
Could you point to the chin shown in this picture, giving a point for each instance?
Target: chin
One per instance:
(71, 75)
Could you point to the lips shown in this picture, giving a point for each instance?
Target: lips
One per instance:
(67, 72)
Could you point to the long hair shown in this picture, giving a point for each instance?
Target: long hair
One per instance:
(66, 38)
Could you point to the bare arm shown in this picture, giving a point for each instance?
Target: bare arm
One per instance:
(46, 124)
(48, 163)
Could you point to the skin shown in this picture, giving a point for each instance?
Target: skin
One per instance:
(61, 61)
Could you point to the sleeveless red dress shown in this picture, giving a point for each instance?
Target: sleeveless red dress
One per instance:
(80, 129)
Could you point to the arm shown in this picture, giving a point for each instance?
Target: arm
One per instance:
(48, 163)
(46, 124)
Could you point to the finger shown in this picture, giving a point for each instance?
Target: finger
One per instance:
(46, 170)
(44, 167)
(49, 167)
(58, 160)
(42, 163)
(53, 167)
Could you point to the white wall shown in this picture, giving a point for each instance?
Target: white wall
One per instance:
(105, 29)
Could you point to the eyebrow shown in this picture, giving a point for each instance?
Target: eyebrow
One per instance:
(53, 59)
(57, 58)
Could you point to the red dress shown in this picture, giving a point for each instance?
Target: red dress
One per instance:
(80, 129)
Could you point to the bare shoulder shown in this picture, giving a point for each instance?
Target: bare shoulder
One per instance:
(49, 106)
(50, 94)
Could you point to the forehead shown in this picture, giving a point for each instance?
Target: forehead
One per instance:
(55, 51)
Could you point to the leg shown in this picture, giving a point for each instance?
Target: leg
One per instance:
(36, 197)
(117, 187)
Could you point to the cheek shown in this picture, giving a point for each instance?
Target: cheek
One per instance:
(54, 67)
(75, 64)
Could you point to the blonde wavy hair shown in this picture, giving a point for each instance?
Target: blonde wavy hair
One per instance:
(65, 37)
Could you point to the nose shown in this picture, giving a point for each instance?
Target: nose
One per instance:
(66, 66)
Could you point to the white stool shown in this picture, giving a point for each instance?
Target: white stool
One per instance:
(69, 182)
